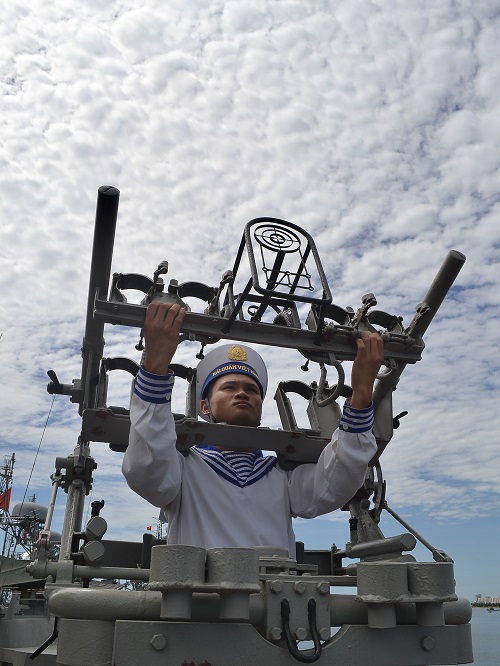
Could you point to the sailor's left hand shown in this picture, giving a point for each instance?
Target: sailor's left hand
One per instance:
(365, 368)
(162, 325)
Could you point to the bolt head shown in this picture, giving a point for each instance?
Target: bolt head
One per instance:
(301, 634)
(158, 642)
(300, 587)
(323, 587)
(325, 633)
(275, 634)
(276, 586)
(427, 643)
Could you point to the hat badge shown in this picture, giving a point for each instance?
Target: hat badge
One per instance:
(237, 353)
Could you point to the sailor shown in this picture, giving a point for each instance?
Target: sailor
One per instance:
(220, 497)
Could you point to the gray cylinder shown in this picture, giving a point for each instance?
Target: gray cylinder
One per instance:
(176, 571)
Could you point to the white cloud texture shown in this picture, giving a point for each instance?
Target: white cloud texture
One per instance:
(372, 125)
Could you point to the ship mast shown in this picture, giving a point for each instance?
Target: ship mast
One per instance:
(20, 528)
(6, 473)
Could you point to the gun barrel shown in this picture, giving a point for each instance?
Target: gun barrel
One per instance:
(100, 269)
(434, 297)
(442, 283)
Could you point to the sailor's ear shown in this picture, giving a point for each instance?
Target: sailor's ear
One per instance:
(204, 407)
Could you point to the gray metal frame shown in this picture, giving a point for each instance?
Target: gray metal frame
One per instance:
(248, 606)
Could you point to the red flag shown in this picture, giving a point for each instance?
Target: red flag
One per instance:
(149, 528)
(5, 499)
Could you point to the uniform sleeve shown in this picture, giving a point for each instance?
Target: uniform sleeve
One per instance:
(152, 465)
(316, 489)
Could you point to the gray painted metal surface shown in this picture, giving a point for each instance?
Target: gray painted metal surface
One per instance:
(246, 607)
(214, 607)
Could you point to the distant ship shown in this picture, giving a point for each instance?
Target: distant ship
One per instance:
(25, 621)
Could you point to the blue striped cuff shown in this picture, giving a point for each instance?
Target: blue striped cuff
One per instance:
(154, 388)
(356, 420)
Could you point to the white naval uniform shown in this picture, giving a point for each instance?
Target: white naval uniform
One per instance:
(206, 506)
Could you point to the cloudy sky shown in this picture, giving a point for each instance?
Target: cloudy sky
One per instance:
(372, 125)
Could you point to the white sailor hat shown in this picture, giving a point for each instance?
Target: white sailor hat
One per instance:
(228, 359)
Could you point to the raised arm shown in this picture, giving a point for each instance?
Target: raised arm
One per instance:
(340, 471)
(152, 464)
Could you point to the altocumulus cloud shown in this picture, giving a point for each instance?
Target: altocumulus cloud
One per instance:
(372, 125)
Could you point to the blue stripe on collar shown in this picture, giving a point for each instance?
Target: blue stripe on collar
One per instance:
(216, 460)
(208, 447)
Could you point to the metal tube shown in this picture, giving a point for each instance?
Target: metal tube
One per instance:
(418, 536)
(100, 269)
(436, 294)
(394, 544)
(56, 480)
(72, 518)
(425, 313)
(81, 603)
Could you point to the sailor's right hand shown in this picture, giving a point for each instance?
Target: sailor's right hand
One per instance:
(162, 326)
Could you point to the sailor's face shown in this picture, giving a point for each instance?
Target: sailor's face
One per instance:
(235, 399)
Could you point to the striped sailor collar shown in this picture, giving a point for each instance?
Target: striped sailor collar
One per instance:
(208, 447)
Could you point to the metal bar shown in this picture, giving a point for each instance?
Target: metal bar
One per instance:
(271, 284)
(140, 605)
(101, 425)
(394, 544)
(100, 269)
(275, 270)
(340, 339)
(302, 267)
(82, 571)
(425, 313)
(435, 552)
(56, 481)
(239, 254)
(72, 517)
(236, 309)
(436, 294)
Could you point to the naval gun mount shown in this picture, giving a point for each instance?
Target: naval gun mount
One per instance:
(248, 606)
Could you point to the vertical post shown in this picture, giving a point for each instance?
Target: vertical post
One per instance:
(100, 269)
(92, 348)
(75, 501)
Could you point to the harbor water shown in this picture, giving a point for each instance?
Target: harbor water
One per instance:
(486, 637)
